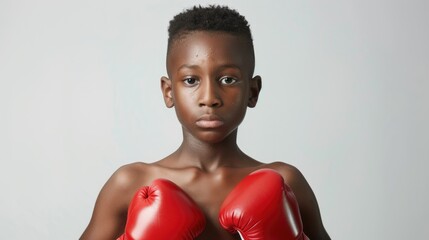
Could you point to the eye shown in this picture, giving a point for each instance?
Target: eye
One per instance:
(190, 81)
(227, 80)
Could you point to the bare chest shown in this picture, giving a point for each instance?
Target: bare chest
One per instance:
(208, 190)
(209, 194)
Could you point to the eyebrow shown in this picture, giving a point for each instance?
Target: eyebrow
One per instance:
(192, 66)
(188, 66)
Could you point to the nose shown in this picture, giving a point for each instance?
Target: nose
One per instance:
(209, 95)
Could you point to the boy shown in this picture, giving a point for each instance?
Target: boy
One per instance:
(210, 63)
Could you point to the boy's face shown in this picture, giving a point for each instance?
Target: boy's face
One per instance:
(210, 83)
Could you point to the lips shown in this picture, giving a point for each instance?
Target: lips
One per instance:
(209, 121)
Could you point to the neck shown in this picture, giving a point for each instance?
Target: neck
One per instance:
(210, 156)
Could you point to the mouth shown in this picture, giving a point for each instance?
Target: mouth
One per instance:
(209, 121)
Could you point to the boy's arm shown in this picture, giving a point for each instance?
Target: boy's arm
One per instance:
(308, 206)
(110, 211)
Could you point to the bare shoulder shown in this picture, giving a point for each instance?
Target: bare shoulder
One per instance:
(290, 173)
(292, 176)
(126, 176)
(110, 210)
(308, 206)
(125, 181)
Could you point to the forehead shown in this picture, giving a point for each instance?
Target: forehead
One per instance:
(210, 49)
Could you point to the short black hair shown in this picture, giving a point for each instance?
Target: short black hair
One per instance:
(210, 18)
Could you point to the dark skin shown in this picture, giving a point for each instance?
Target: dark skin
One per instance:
(210, 74)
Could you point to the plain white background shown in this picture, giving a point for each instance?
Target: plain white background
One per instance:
(344, 99)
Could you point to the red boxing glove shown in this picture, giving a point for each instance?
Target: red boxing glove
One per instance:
(262, 207)
(163, 211)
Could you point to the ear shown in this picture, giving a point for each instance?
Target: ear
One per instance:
(166, 92)
(255, 88)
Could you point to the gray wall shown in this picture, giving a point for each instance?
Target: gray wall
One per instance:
(344, 99)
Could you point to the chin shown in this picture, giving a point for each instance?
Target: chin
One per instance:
(212, 137)
(215, 136)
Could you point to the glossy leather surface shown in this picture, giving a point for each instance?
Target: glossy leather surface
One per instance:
(262, 207)
(163, 211)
